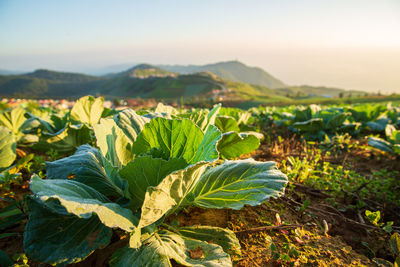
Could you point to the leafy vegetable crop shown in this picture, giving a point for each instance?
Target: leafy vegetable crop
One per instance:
(143, 171)
(7, 147)
(392, 142)
(238, 135)
(314, 123)
(65, 132)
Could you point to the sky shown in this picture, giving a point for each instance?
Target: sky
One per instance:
(352, 44)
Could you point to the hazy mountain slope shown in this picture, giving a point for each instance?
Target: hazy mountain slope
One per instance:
(147, 81)
(48, 83)
(143, 71)
(161, 87)
(62, 76)
(233, 71)
(317, 91)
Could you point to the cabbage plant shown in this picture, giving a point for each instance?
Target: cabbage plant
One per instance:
(14, 119)
(392, 142)
(238, 136)
(314, 123)
(143, 171)
(234, 141)
(8, 146)
(64, 132)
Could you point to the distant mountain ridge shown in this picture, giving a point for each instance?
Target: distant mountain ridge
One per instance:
(231, 70)
(307, 90)
(143, 71)
(148, 81)
(143, 80)
(46, 83)
(61, 76)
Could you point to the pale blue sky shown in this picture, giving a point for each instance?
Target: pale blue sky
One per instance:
(347, 43)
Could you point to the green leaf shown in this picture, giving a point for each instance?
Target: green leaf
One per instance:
(51, 123)
(312, 125)
(84, 202)
(163, 246)
(212, 115)
(241, 116)
(130, 123)
(223, 237)
(7, 178)
(66, 140)
(392, 135)
(234, 184)
(13, 120)
(303, 114)
(146, 171)
(88, 166)
(378, 125)
(380, 144)
(113, 143)
(108, 112)
(10, 216)
(173, 138)
(169, 193)
(396, 149)
(367, 112)
(177, 139)
(165, 109)
(135, 239)
(5, 235)
(11, 221)
(373, 217)
(227, 124)
(207, 150)
(8, 146)
(233, 145)
(56, 237)
(395, 243)
(204, 117)
(10, 210)
(87, 110)
(248, 128)
(336, 121)
(388, 227)
(5, 260)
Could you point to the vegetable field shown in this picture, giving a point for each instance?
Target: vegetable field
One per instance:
(269, 186)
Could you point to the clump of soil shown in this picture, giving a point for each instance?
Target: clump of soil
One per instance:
(313, 246)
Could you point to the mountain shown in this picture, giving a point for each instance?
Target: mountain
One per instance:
(140, 84)
(233, 71)
(145, 81)
(65, 77)
(46, 83)
(148, 81)
(112, 69)
(316, 91)
(143, 71)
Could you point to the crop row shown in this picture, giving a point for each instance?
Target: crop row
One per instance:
(128, 172)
